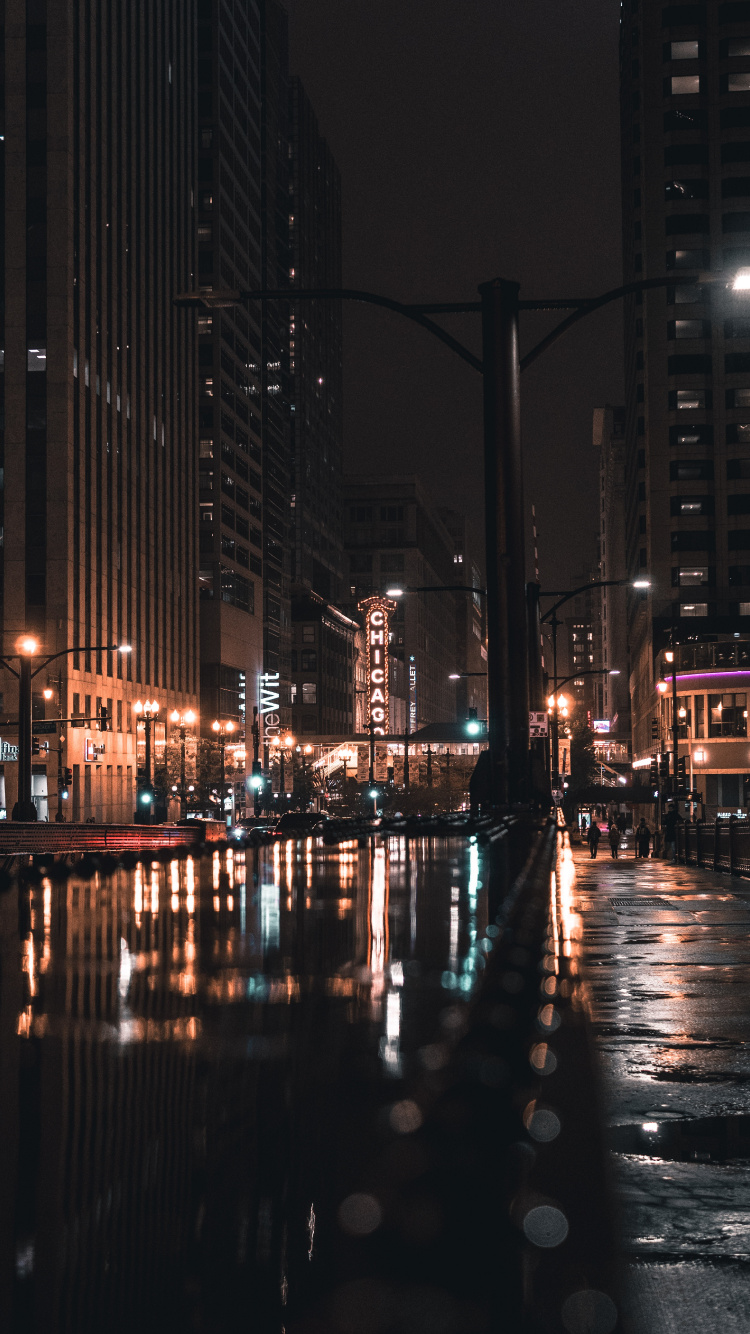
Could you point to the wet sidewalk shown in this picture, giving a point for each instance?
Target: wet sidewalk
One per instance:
(666, 959)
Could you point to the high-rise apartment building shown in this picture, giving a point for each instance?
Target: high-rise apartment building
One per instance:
(315, 355)
(99, 500)
(685, 71)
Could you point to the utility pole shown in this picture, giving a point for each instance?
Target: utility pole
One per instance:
(406, 757)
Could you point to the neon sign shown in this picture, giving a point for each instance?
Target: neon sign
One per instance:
(377, 612)
(269, 701)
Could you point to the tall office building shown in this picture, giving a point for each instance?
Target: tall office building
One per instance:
(685, 71)
(243, 412)
(315, 355)
(99, 502)
(270, 373)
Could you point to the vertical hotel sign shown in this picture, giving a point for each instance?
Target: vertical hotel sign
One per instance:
(377, 612)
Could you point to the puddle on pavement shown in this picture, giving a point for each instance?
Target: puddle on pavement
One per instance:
(715, 1139)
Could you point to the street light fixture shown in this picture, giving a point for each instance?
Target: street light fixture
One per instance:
(182, 721)
(27, 648)
(223, 730)
(147, 709)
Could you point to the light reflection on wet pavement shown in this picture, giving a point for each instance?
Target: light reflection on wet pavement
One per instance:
(668, 988)
(196, 1056)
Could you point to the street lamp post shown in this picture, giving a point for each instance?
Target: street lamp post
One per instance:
(27, 648)
(148, 710)
(223, 730)
(557, 702)
(182, 721)
(501, 366)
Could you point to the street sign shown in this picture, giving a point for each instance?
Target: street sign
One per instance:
(538, 724)
(41, 728)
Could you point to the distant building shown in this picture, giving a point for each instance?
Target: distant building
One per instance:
(243, 408)
(394, 538)
(471, 623)
(609, 441)
(582, 619)
(324, 649)
(270, 374)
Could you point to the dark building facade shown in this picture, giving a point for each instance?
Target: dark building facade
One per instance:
(315, 355)
(99, 500)
(243, 405)
(685, 75)
(324, 648)
(270, 373)
(471, 631)
(394, 538)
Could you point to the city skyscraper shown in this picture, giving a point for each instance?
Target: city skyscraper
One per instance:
(99, 533)
(243, 412)
(685, 74)
(270, 372)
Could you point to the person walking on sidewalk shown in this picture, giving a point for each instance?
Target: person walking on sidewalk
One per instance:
(670, 833)
(593, 836)
(613, 834)
(642, 839)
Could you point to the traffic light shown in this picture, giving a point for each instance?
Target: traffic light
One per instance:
(664, 768)
(654, 729)
(473, 725)
(37, 748)
(682, 771)
(653, 773)
(103, 718)
(68, 777)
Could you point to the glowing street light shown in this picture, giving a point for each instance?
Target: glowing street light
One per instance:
(182, 721)
(741, 281)
(147, 710)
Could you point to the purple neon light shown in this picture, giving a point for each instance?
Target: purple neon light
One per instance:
(691, 676)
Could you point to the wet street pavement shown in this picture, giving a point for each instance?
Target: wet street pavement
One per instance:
(666, 961)
(196, 1059)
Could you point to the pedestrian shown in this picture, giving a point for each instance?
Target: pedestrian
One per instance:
(594, 835)
(622, 822)
(670, 833)
(642, 839)
(613, 835)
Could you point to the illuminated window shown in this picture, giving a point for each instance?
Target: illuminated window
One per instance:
(308, 634)
(694, 609)
(683, 50)
(682, 85)
(692, 574)
(738, 83)
(309, 692)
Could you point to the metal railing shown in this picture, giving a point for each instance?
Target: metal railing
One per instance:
(716, 845)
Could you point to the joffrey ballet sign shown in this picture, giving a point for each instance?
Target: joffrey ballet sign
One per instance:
(377, 612)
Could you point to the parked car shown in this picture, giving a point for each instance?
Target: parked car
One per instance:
(301, 824)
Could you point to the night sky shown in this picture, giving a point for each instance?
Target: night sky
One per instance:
(475, 139)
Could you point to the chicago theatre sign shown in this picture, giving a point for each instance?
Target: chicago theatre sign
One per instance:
(377, 612)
